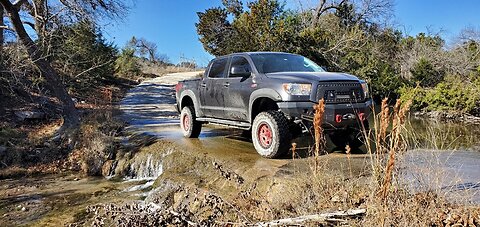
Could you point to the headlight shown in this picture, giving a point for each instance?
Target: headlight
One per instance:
(297, 89)
(365, 89)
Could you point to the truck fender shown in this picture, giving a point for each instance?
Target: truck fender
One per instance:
(262, 93)
(196, 104)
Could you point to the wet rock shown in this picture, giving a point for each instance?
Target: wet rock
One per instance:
(336, 199)
(229, 175)
(448, 116)
(29, 115)
(108, 168)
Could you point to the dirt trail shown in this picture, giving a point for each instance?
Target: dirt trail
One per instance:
(150, 104)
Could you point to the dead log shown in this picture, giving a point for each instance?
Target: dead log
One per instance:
(333, 217)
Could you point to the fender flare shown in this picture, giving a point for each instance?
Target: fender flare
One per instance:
(262, 93)
(190, 94)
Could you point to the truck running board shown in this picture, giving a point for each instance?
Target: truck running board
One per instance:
(235, 124)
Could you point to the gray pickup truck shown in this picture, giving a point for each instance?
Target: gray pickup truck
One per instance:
(271, 95)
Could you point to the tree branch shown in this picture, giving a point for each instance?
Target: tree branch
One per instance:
(93, 67)
(32, 25)
(7, 28)
(19, 4)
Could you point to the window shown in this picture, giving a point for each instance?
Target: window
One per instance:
(241, 63)
(218, 68)
(278, 62)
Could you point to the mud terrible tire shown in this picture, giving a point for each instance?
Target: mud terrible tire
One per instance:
(190, 126)
(270, 134)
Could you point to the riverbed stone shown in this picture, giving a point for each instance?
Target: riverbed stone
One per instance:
(29, 115)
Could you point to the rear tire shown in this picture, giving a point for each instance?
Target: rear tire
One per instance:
(188, 122)
(270, 134)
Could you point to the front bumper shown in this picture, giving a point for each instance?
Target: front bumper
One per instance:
(350, 113)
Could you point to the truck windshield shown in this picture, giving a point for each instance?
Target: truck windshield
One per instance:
(279, 62)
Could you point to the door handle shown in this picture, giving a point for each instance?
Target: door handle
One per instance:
(203, 85)
(226, 84)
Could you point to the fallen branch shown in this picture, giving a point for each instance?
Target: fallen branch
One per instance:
(326, 217)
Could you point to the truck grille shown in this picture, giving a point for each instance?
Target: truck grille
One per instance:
(340, 92)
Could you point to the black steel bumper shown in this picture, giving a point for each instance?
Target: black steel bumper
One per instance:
(340, 115)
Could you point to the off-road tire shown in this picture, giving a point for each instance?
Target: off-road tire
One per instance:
(280, 138)
(188, 122)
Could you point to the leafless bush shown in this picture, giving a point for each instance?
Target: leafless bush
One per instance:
(96, 143)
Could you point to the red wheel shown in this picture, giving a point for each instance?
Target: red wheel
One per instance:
(265, 135)
(270, 134)
(190, 126)
(186, 122)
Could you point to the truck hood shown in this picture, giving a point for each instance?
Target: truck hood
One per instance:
(312, 76)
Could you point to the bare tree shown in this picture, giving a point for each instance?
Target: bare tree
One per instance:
(145, 48)
(70, 113)
(324, 6)
(44, 16)
(373, 10)
(366, 10)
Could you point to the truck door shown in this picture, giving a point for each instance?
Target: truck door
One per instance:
(237, 89)
(211, 94)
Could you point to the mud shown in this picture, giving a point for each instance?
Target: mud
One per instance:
(55, 200)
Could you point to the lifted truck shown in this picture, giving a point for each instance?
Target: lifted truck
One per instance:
(272, 95)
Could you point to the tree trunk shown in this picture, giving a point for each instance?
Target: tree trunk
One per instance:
(70, 114)
(2, 39)
(40, 13)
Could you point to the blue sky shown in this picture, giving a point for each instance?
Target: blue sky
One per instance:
(171, 23)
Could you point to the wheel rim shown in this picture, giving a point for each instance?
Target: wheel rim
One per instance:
(264, 135)
(186, 122)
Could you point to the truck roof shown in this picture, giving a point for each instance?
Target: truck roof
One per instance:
(255, 52)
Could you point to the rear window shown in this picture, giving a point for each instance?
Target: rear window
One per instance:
(218, 68)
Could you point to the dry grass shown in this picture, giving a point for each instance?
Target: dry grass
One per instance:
(294, 150)
(153, 70)
(96, 143)
(391, 203)
(318, 132)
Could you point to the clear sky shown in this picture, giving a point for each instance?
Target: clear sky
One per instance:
(171, 23)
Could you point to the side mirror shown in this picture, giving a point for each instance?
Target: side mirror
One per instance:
(238, 71)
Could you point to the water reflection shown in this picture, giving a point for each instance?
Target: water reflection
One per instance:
(429, 134)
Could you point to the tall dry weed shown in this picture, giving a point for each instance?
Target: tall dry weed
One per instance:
(294, 150)
(397, 143)
(382, 125)
(318, 130)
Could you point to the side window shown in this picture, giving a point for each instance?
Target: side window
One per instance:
(218, 68)
(242, 63)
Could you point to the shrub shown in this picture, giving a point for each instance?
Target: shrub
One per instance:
(453, 94)
(127, 64)
(425, 74)
(96, 142)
